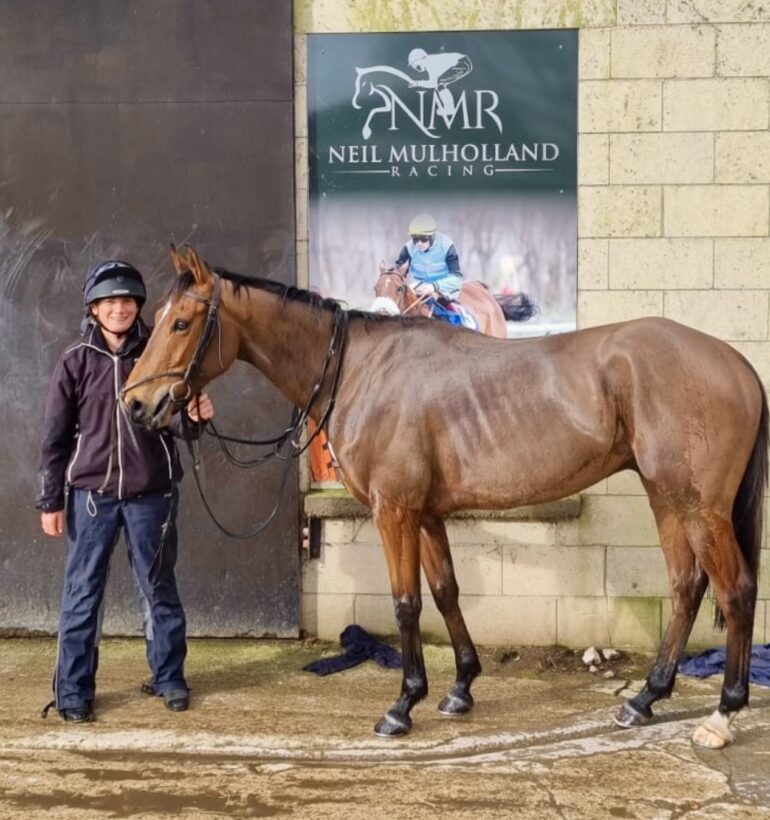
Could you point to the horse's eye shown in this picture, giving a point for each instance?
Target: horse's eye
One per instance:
(180, 325)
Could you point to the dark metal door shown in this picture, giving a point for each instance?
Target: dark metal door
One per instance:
(124, 126)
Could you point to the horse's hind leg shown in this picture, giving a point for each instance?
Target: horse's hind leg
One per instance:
(688, 583)
(437, 564)
(716, 557)
(735, 589)
(399, 530)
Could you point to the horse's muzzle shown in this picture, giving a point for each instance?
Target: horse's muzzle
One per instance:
(151, 420)
(137, 413)
(383, 304)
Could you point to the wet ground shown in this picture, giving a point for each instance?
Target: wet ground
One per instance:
(265, 739)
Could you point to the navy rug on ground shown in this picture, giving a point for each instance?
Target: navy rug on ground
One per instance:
(712, 661)
(359, 646)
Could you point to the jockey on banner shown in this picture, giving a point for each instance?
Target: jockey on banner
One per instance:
(435, 268)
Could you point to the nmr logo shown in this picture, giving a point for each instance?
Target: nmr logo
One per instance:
(425, 98)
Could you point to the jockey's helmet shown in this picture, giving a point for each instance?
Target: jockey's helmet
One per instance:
(415, 56)
(422, 225)
(114, 278)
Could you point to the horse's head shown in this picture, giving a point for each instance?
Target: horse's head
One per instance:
(392, 294)
(188, 347)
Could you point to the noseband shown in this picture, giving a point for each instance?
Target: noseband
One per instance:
(402, 288)
(179, 399)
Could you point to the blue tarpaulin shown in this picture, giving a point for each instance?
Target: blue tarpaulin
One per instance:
(712, 662)
(359, 646)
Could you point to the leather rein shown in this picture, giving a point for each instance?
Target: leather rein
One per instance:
(287, 445)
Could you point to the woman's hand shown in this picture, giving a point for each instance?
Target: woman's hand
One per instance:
(200, 408)
(52, 523)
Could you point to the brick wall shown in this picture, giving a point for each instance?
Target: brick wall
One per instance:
(674, 220)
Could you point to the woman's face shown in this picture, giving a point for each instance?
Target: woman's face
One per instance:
(116, 314)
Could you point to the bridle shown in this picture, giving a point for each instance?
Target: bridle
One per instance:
(204, 340)
(401, 289)
(287, 445)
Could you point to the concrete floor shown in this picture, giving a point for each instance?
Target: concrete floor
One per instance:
(265, 739)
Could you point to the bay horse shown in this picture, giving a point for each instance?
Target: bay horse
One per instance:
(393, 295)
(516, 422)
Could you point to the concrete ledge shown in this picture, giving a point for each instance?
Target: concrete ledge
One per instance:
(339, 504)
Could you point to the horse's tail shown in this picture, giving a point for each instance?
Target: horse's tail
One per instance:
(517, 307)
(747, 507)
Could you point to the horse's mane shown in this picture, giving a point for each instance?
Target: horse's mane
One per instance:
(239, 281)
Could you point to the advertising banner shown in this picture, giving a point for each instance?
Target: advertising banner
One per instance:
(478, 130)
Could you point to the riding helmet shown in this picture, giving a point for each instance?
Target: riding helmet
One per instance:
(422, 225)
(415, 55)
(114, 278)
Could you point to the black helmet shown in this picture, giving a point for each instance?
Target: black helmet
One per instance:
(114, 278)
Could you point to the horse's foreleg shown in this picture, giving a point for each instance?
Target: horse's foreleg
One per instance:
(437, 563)
(688, 584)
(399, 530)
(735, 589)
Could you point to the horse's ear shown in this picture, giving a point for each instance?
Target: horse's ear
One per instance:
(179, 264)
(197, 266)
(383, 266)
(404, 269)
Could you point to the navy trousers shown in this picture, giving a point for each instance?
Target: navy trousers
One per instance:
(94, 524)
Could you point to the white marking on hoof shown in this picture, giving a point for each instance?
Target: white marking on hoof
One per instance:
(715, 733)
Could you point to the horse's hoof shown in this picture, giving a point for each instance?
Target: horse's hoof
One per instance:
(715, 733)
(709, 738)
(391, 725)
(454, 705)
(627, 717)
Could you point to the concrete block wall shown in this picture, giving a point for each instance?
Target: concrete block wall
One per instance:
(674, 220)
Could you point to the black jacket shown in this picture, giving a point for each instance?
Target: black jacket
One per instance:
(84, 425)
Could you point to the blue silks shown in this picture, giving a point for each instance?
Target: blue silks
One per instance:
(359, 646)
(712, 661)
(445, 314)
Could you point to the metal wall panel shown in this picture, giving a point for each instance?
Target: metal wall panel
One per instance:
(124, 126)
